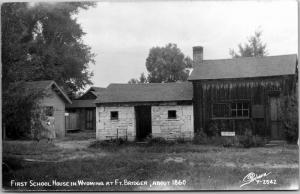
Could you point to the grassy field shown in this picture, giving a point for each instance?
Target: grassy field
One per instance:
(145, 167)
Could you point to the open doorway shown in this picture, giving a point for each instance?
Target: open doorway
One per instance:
(143, 122)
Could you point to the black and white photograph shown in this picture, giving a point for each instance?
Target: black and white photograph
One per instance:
(127, 95)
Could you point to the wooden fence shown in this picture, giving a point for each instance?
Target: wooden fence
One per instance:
(72, 121)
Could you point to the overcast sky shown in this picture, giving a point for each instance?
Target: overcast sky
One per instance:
(121, 33)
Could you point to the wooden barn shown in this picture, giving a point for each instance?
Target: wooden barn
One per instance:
(82, 111)
(242, 93)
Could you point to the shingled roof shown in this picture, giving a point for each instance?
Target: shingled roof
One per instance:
(150, 92)
(45, 84)
(245, 67)
(97, 90)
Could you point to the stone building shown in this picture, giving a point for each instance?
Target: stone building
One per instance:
(223, 95)
(135, 111)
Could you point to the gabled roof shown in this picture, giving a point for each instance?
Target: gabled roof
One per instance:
(150, 92)
(245, 67)
(95, 91)
(46, 84)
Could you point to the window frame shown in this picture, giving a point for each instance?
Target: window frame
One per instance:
(47, 109)
(112, 118)
(236, 109)
(172, 117)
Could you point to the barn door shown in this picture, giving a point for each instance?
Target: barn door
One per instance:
(89, 119)
(143, 121)
(275, 122)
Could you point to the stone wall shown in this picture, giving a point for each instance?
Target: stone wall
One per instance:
(162, 126)
(109, 129)
(180, 127)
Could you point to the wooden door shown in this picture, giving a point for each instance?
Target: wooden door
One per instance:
(89, 119)
(143, 122)
(275, 121)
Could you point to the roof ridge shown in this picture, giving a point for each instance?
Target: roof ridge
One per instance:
(149, 83)
(256, 57)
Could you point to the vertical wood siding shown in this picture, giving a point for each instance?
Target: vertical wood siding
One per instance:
(255, 90)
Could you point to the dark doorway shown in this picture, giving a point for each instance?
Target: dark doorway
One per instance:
(143, 122)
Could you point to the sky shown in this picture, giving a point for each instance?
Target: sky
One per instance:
(121, 33)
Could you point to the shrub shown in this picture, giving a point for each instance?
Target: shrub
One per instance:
(248, 141)
(212, 129)
(227, 141)
(200, 137)
(289, 113)
(21, 111)
(180, 140)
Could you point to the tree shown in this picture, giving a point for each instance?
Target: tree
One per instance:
(142, 80)
(20, 110)
(43, 41)
(253, 48)
(40, 41)
(289, 115)
(167, 64)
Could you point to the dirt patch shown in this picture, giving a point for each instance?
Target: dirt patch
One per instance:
(74, 144)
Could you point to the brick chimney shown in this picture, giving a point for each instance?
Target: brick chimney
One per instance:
(197, 55)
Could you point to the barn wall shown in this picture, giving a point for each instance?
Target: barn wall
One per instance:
(107, 128)
(52, 99)
(256, 91)
(182, 126)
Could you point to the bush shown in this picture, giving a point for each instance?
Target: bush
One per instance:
(21, 111)
(289, 113)
(200, 137)
(248, 141)
(180, 140)
(212, 129)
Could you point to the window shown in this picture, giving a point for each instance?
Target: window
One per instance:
(114, 115)
(221, 110)
(48, 110)
(240, 109)
(226, 110)
(172, 114)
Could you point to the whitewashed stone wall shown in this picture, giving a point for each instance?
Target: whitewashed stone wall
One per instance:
(107, 128)
(182, 126)
(162, 126)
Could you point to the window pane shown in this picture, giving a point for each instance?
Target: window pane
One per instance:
(233, 113)
(221, 110)
(245, 106)
(49, 111)
(233, 106)
(172, 114)
(239, 105)
(114, 115)
(245, 113)
(239, 113)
